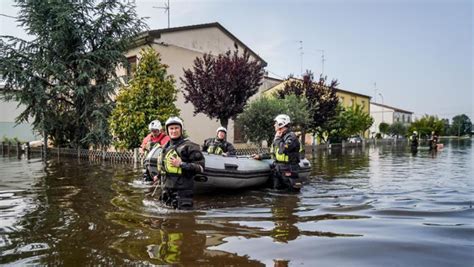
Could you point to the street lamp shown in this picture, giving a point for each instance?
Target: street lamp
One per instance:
(381, 96)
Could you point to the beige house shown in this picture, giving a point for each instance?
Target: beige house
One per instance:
(178, 47)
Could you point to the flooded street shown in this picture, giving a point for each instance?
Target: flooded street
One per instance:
(378, 206)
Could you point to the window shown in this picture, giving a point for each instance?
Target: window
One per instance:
(132, 64)
(363, 103)
(403, 118)
(341, 99)
(352, 102)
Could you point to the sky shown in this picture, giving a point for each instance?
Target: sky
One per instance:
(415, 55)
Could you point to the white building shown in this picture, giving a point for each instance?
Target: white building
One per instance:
(383, 113)
(8, 127)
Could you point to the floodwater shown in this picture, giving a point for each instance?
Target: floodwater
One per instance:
(378, 206)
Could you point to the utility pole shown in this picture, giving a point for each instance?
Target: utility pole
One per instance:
(167, 10)
(322, 60)
(301, 57)
(375, 92)
(380, 94)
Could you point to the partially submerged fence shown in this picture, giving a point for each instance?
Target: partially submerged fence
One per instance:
(134, 156)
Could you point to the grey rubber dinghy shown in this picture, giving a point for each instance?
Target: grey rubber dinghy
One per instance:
(232, 172)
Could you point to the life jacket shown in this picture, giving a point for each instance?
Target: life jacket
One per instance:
(168, 153)
(177, 177)
(290, 156)
(215, 147)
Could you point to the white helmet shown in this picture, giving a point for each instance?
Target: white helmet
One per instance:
(221, 129)
(154, 125)
(282, 120)
(415, 132)
(174, 120)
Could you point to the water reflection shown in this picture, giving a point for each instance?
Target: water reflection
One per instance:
(284, 216)
(332, 163)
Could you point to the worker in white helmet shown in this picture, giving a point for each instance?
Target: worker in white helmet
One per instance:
(219, 145)
(285, 152)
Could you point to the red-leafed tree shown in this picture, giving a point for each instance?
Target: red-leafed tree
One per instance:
(220, 86)
(322, 99)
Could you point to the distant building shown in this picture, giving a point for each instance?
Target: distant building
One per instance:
(388, 114)
(178, 48)
(8, 127)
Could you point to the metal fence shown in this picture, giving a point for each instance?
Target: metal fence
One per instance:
(19, 149)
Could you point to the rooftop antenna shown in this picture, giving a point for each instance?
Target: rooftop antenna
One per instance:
(322, 60)
(167, 10)
(375, 92)
(301, 57)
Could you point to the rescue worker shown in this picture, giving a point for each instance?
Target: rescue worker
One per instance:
(285, 152)
(155, 136)
(180, 160)
(219, 145)
(433, 143)
(414, 141)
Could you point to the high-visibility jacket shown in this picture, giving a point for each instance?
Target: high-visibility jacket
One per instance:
(181, 177)
(286, 149)
(218, 146)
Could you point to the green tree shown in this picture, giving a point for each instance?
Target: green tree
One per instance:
(348, 122)
(426, 124)
(150, 95)
(257, 118)
(398, 129)
(384, 128)
(297, 108)
(461, 125)
(65, 76)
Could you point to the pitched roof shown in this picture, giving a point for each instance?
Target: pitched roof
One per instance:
(337, 89)
(390, 107)
(157, 34)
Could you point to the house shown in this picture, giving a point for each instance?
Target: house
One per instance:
(178, 48)
(8, 127)
(388, 114)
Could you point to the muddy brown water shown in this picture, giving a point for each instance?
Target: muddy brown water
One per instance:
(378, 206)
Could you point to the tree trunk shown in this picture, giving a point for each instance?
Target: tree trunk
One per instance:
(45, 144)
(224, 122)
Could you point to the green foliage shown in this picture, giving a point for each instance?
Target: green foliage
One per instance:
(426, 125)
(398, 129)
(461, 125)
(150, 95)
(297, 108)
(65, 76)
(257, 118)
(348, 122)
(384, 128)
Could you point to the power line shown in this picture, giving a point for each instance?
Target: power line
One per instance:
(8, 16)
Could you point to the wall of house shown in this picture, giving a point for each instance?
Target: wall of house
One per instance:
(380, 114)
(402, 117)
(8, 127)
(348, 100)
